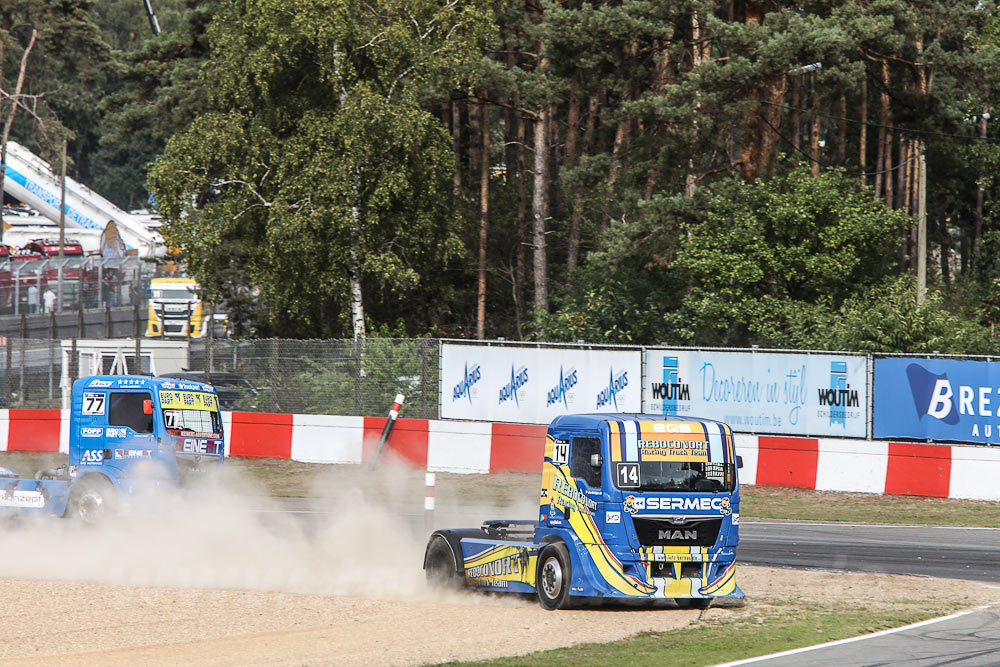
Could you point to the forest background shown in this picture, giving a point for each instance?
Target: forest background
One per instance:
(699, 172)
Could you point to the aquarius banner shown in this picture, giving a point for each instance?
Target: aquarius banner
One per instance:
(761, 392)
(937, 399)
(532, 385)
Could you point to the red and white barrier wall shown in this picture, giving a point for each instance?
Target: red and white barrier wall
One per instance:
(829, 464)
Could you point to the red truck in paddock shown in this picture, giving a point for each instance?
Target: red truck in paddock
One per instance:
(632, 506)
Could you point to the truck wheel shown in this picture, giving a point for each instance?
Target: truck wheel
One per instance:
(91, 501)
(552, 578)
(440, 565)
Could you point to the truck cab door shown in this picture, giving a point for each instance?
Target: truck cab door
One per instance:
(129, 434)
(585, 451)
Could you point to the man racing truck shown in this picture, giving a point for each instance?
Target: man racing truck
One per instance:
(125, 432)
(632, 506)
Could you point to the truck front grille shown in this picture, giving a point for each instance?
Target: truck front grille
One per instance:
(658, 532)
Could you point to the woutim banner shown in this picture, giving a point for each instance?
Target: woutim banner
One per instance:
(761, 392)
(937, 399)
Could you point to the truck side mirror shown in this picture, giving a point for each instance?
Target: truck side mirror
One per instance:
(739, 461)
(147, 406)
(596, 460)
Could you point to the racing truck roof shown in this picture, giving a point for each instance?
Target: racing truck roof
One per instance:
(594, 420)
(139, 382)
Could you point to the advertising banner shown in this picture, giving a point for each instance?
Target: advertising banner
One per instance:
(761, 392)
(937, 399)
(532, 385)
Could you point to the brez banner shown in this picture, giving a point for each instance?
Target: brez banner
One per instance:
(937, 399)
(761, 392)
(532, 385)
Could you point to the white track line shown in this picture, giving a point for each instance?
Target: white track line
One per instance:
(806, 649)
(754, 522)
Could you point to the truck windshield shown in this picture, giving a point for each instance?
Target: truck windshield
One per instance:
(680, 476)
(174, 293)
(202, 422)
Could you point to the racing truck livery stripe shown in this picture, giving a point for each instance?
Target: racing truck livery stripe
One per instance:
(610, 568)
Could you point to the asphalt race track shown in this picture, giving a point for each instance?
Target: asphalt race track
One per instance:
(969, 640)
(949, 553)
(956, 553)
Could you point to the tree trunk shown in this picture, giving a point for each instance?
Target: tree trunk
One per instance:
(520, 254)
(621, 135)
(888, 168)
(539, 211)
(772, 113)
(814, 129)
(456, 148)
(863, 139)
(901, 173)
(906, 175)
(880, 160)
(572, 126)
(842, 129)
(555, 191)
(980, 194)
(572, 257)
(9, 122)
(484, 210)
(515, 160)
(796, 116)
(475, 132)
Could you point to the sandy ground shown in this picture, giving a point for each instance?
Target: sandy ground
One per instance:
(68, 623)
(235, 578)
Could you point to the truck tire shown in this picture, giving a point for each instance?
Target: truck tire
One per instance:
(91, 501)
(440, 564)
(553, 576)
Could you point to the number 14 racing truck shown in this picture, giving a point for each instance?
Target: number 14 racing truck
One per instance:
(632, 507)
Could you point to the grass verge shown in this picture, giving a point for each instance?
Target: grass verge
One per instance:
(285, 478)
(710, 644)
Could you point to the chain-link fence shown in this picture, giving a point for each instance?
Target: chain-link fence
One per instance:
(333, 377)
(29, 373)
(34, 284)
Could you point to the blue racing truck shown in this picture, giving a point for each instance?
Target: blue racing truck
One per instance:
(632, 507)
(125, 432)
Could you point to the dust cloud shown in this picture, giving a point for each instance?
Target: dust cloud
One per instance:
(361, 533)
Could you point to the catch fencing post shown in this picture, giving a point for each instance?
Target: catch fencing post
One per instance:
(393, 414)
(428, 501)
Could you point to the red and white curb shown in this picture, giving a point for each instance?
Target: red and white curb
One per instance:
(826, 464)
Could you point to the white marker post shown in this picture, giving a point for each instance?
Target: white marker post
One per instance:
(429, 501)
(393, 413)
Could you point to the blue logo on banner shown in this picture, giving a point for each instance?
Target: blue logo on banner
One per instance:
(517, 380)
(671, 390)
(464, 388)
(558, 393)
(615, 385)
(948, 399)
(932, 394)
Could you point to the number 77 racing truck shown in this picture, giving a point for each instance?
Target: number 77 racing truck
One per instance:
(125, 432)
(632, 507)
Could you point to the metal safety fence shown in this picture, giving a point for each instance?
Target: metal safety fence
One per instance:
(332, 377)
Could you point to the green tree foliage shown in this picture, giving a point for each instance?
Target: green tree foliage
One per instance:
(714, 173)
(885, 318)
(154, 93)
(66, 72)
(316, 147)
